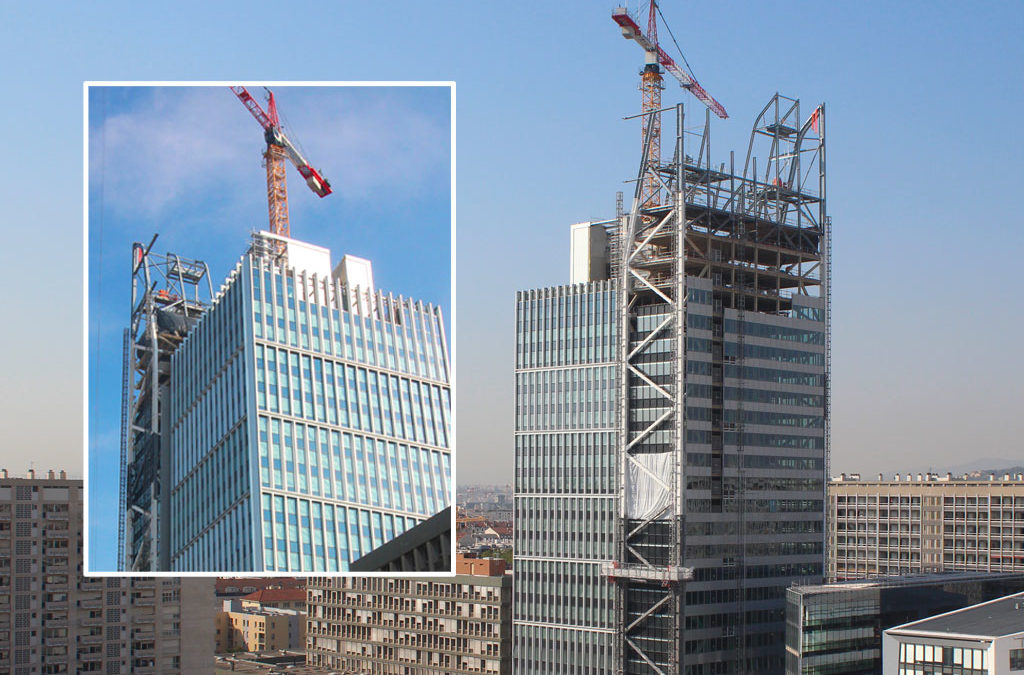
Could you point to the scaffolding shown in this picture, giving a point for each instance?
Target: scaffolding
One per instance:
(760, 237)
(166, 303)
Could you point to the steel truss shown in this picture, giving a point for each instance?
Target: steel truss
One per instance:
(652, 358)
(761, 238)
(166, 303)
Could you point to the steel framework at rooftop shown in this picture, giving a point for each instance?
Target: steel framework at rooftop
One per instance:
(166, 303)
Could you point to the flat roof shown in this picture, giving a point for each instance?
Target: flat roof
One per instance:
(995, 618)
(903, 581)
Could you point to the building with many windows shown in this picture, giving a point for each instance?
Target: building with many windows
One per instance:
(927, 524)
(671, 416)
(984, 639)
(414, 626)
(54, 620)
(305, 418)
(837, 628)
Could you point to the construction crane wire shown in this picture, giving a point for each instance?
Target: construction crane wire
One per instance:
(678, 48)
(285, 126)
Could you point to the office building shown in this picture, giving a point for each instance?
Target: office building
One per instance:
(425, 548)
(837, 628)
(248, 628)
(414, 626)
(52, 620)
(304, 415)
(671, 415)
(984, 639)
(925, 523)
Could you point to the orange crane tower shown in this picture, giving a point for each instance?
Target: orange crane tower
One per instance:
(280, 146)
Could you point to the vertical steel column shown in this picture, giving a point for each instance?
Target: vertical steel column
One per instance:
(679, 454)
(825, 223)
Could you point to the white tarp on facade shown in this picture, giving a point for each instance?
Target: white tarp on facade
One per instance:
(649, 486)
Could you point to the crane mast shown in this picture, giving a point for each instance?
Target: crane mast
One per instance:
(280, 148)
(650, 88)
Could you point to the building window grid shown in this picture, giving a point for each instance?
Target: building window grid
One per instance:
(273, 314)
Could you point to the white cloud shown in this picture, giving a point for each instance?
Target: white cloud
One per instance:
(182, 145)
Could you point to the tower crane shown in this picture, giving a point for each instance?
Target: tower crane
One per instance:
(278, 147)
(650, 84)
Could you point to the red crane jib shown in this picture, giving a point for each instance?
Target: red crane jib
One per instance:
(631, 29)
(314, 179)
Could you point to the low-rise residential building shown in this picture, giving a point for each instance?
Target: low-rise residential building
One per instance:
(236, 587)
(984, 639)
(258, 629)
(414, 626)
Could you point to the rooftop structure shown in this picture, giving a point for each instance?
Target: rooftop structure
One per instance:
(169, 294)
(986, 638)
(282, 598)
(245, 585)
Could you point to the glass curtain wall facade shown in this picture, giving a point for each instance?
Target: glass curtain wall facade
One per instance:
(566, 499)
(837, 628)
(308, 427)
(753, 495)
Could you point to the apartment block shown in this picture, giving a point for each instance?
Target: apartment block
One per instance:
(244, 627)
(925, 523)
(54, 620)
(414, 626)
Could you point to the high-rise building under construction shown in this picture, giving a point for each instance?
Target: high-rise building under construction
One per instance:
(295, 421)
(671, 433)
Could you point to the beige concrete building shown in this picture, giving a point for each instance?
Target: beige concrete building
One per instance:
(414, 626)
(924, 523)
(257, 629)
(53, 620)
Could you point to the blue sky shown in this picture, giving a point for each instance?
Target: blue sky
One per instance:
(186, 163)
(925, 161)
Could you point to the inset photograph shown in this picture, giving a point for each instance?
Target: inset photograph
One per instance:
(269, 382)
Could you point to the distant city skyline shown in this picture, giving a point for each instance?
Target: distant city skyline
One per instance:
(922, 131)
